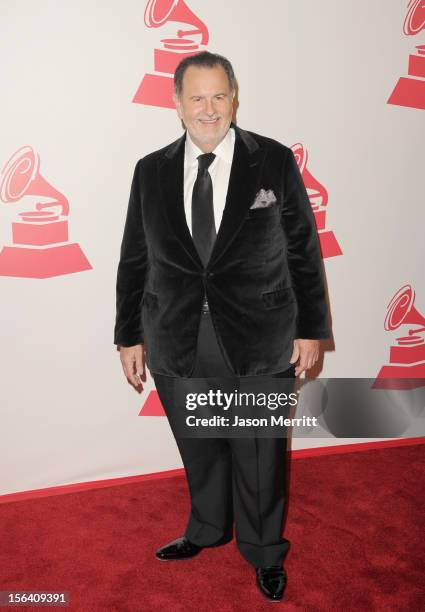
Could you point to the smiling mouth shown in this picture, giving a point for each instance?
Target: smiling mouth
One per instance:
(209, 121)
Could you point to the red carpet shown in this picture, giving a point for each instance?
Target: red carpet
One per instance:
(355, 522)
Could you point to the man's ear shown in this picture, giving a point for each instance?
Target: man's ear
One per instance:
(177, 105)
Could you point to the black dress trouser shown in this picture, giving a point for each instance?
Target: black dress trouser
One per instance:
(237, 479)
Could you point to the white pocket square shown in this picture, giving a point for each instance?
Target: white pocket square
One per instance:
(264, 199)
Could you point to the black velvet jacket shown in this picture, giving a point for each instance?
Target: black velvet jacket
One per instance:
(264, 281)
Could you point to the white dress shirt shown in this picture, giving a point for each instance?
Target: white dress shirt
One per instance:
(219, 171)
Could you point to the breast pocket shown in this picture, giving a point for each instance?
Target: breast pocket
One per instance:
(261, 228)
(263, 213)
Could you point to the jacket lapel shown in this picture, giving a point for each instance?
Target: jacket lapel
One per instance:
(243, 182)
(171, 175)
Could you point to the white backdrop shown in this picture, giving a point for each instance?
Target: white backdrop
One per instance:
(319, 73)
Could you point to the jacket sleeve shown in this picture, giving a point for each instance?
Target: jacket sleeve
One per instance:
(303, 253)
(131, 272)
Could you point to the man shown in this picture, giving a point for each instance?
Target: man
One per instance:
(220, 275)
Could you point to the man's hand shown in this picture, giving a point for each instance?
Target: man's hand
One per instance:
(133, 364)
(307, 351)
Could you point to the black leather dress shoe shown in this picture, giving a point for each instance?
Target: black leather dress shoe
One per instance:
(178, 549)
(271, 581)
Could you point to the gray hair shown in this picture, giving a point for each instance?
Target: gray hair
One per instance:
(203, 59)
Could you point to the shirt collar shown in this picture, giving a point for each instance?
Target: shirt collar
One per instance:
(224, 149)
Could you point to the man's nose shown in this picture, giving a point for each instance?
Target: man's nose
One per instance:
(210, 108)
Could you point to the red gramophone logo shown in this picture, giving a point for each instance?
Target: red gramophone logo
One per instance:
(152, 406)
(157, 89)
(40, 246)
(318, 197)
(410, 90)
(407, 354)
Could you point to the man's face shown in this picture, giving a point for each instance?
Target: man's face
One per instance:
(206, 105)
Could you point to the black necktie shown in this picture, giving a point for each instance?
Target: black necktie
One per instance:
(203, 226)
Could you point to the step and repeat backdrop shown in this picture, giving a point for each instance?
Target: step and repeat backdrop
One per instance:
(86, 92)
